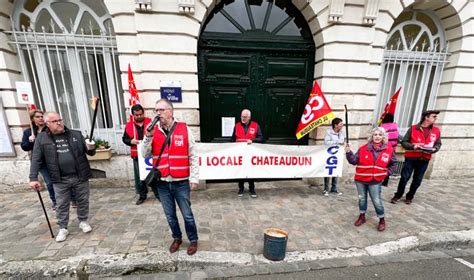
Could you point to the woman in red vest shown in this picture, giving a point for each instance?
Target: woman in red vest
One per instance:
(374, 161)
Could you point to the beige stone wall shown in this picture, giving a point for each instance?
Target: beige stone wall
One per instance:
(162, 45)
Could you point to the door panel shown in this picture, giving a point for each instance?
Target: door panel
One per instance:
(283, 113)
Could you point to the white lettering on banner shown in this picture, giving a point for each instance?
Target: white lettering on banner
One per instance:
(239, 160)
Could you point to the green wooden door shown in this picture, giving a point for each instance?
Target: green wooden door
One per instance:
(256, 69)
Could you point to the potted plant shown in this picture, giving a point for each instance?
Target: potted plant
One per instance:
(103, 150)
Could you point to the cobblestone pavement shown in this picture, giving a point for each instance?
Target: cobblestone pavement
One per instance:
(227, 223)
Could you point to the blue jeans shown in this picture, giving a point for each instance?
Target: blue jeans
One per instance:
(375, 191)
(418, 168)
(333, 184)
(47, 180)
(178, 192)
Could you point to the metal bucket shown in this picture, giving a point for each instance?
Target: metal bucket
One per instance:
(274, 244)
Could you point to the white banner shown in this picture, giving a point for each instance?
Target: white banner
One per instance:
(240, 160)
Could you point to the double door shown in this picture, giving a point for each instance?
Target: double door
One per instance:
(272, 84)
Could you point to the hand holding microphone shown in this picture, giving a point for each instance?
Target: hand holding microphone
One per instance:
(151, 127)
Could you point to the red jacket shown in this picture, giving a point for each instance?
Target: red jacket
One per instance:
(369, 169)
(132, 133)
(241, 136)
(175, 158)
(418, 138)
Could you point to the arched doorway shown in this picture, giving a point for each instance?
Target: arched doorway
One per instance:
(257, 55)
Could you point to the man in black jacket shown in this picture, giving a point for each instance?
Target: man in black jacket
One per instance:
(63, 152)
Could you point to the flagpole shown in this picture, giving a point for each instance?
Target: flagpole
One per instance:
(95, 102)
(347, 123)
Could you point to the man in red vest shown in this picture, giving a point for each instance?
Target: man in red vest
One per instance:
(179, 170)
(133, 134)
(247, 131)
(420, 141)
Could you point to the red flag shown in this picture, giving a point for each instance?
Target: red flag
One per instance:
(32, 107)
(132, 89)
(316, 112)
(390, 106)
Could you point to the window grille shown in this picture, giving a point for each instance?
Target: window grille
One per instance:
(414, 58)
(68, 52)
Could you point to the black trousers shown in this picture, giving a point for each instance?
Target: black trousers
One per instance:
(251, 184)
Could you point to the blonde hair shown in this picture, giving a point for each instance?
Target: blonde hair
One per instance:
(378, 129)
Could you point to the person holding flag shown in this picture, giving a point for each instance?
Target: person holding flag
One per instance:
(133, 134)
(28, 142)
(391, 128)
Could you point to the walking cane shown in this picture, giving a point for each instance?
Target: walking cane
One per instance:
(45, 214)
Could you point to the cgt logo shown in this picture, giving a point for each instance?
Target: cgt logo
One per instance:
(331, 161)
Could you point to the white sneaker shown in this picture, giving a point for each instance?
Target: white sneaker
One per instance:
(85, 227)
(325, 193)
(62, 235)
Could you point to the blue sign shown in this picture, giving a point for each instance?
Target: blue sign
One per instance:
(172, 94)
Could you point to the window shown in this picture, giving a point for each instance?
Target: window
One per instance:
(414, 57)
(68, 53)
(274, 17)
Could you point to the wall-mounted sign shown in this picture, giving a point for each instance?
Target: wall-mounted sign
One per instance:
(171, 90)
(6, 143)
(24, 93)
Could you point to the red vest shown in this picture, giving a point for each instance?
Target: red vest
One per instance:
(418, 138)
(241, 136)
(132, 133)
(175, 158)
(368, 169)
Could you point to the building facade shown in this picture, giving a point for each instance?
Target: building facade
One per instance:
(228, 55)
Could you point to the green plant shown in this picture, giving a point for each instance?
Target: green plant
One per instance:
(101, 144)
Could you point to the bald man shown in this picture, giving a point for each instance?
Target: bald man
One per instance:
(247, 131)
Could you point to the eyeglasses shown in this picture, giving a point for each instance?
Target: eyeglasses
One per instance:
(56, 121)
(161, 110)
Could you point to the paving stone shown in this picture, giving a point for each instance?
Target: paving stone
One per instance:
(227, 223)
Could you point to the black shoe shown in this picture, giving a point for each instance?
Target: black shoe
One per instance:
(253, 194)
(140, 200)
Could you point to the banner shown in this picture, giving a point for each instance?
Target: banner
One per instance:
(316, 112)
(240, 160)
(390, 106)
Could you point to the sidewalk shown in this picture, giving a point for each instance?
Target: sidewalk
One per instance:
(127, 237)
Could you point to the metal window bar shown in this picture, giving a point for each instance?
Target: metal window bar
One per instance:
(49, 44)
(411, 70)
